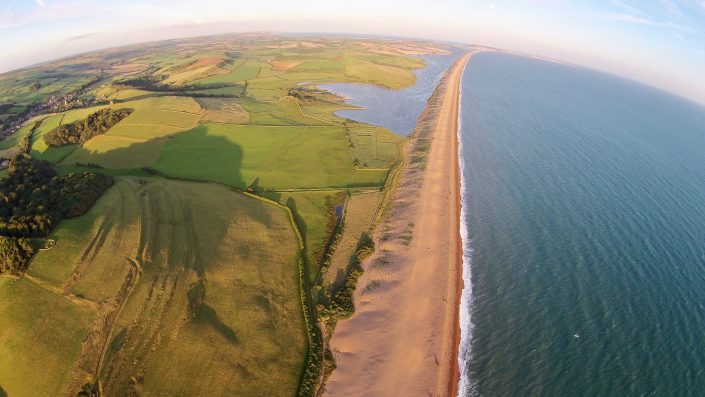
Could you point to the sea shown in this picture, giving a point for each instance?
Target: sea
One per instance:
(584, 233)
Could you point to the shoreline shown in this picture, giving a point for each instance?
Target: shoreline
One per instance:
(399, 341)
(454, 380)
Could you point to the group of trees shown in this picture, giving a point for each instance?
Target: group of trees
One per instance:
(26, 142)
(33, 199)
(312, 95)
(81, 131)
(342, 305)
(151, 82)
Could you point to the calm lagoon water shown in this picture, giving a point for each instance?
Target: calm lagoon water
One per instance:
(584, 200)
(396, 110)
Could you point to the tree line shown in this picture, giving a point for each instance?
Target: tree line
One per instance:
(154, 83)
(81, 131)
(33, 199)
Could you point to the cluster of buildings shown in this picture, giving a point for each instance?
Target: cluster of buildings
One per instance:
(55, 104)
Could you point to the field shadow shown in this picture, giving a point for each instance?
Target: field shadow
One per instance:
(202, 227)
(291, 203)
(189, 155)
(3, 393)
(204, 314)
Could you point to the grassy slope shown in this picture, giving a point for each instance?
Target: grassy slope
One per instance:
(223, 300)
(14, 140)
(103, 226)
(40, 338)
(218, 294)
(116, 152)
(314, 215)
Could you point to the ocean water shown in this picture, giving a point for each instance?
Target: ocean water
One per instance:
(584, 219)
(396, 110)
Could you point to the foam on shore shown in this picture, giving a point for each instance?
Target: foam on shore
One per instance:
(466, 386)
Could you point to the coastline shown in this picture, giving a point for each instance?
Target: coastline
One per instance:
(455, 369)
(416, 269)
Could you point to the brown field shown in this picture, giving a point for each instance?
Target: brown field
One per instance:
(128, 68)
(9, 153)
(219, 110)
(283, 64)
(206, 61)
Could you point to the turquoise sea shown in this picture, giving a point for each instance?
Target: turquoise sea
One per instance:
(584, 216)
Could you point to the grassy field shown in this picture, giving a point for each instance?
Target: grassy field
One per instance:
(223, 303)
(264, 157)
(225, 111)
(40, 149)
(116, 152)
(206, 280)
(383, 75)
(77, 241)
(315, 215)
(245, 71)
(374, 147)
(146, 124)
(40, 339)
(14, 140)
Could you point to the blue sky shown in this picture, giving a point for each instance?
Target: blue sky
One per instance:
(660, 42)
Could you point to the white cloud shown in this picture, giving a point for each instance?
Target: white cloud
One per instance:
(53, 11)
(629, 8)
(672, 8)
(645, 21)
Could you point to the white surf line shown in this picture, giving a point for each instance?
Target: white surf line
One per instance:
(465, 385)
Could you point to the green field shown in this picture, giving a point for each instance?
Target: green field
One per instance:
(314, 213)
(176, 282)
(383, 75)
(213, 271)
(374, 147)
(266, 157)
(116, 152)
(40, 339)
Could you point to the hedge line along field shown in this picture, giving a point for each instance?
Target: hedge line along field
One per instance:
(316, 214)
(160, 279)
(166, 278)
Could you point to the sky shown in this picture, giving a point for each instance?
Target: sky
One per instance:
(659, 42)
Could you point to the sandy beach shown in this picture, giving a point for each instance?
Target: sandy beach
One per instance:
(404, 336)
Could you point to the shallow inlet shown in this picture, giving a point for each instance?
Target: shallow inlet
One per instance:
(396, 110)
